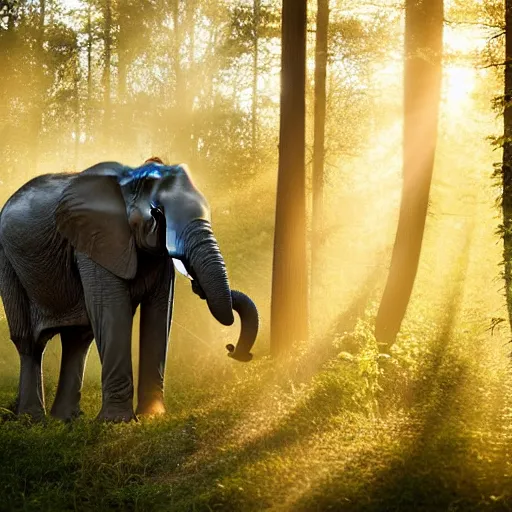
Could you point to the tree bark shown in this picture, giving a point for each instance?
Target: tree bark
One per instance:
(189, 145)
(507, 161)
(107, 77)
(422, 92)
(255, 75)
(88, 121)
(122, 64)
(322, 26)
(40, 93)
(178, 121)
(6, 60)
(289, 308)
(176, 44)
(76, 92)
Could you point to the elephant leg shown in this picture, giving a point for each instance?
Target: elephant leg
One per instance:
(155, 323)
(109, 309)
(30, 399)
(31, 394)
(75, 347)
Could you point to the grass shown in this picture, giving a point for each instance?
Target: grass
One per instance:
(335, 427)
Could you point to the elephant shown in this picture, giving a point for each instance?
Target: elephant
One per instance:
(80, 252)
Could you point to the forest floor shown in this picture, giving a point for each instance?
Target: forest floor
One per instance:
(336, 427)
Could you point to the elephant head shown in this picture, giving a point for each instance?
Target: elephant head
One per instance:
(109, 211)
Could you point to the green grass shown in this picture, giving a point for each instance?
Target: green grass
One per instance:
(335, 427)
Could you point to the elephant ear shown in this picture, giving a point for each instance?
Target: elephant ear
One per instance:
(92, 215)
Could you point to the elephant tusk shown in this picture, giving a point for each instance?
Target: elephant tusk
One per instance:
(178, 265)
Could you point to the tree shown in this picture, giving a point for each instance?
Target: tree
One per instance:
(107, 72)
(322, 26)
(422, 92)
(89, 43)
(507, 161)
(255, 74)
(8, 14)
(38, 108)
(289, 308)
(183, 31)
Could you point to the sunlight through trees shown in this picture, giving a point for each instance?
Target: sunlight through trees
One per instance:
(422, 93)
(356, 157)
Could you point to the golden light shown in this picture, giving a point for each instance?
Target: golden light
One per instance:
(461, 44)
(156, 409)
(459, 83)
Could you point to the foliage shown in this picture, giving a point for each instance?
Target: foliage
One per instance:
(338, 425)
(342, 437)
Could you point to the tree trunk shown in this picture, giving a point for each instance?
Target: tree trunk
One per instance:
(507, 161)
(176, 126)
(422, 92)
(289, 308)
(176, 44)
(107, 80)
(88, 121)
(6, 56)
(188, 100)
(76, 92)
(255, 58)
(40, 93)
(121, 61)
(322, 25)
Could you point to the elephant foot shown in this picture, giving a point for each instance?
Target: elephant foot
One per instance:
(66, 414)
(34, 414)
(116, 414)
(154, 408)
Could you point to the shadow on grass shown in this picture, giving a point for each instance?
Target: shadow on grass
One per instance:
(183, 463)
(210, 482)
(322, 350)
(436, 465)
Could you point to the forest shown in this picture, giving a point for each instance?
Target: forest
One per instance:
(356, 157)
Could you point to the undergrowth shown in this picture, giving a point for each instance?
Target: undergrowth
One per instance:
(336, 426)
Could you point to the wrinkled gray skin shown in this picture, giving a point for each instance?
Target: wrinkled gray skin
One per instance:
(80, 252)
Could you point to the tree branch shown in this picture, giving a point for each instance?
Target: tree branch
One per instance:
(474, 23)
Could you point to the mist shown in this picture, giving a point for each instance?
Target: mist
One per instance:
(337, 421)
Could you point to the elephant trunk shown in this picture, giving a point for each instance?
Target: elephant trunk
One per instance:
(246, 308)
(205, 260)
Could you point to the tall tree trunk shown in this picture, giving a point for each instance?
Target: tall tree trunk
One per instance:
(507, 161)
(122, 112)
(6, 56)
(176, 126)
(255, 75)
(107, 77)
(76, 92)
(322, 26)
(40, 93)
(188, 132)
(289, 308)
(122, 49)
(422, 92)
(88, 122)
